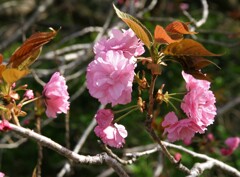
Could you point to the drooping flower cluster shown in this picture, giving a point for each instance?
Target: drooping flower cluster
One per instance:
(232, 144)
(110, 74)
(56, 96)
(198, 105)
(112, 134)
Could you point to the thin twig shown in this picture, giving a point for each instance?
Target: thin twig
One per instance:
(13, 145)
(40, 153)
(81, 141)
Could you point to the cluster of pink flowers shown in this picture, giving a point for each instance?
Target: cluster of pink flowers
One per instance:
(232, 144)
(112, 134)
(199, 106)
(110, 74)
(56, 96)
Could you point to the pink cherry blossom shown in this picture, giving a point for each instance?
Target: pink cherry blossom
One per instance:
(124, 41)
(198, 103)
(29, 94)
(232, 144)
(110, 79)
(110, 134)
(183, 129)
(56, 96)
(2, 174)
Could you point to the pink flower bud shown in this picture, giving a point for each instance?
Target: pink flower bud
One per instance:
(4, 126)
(232, 143)
(29, 94)
(178, 156)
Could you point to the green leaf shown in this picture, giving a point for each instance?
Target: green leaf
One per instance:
(139, 29)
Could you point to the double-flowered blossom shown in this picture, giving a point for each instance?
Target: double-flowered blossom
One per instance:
(110, 79)
(124, 42)
(56, 96)
(232, 144)
(183, 129)
(198, 105)
(112, 134)
(110, 75)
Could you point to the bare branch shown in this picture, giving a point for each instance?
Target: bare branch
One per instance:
(216, 163)
(77, 158)
(13, 145)
(203, 20)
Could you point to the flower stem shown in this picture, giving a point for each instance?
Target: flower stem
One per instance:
(29, 101)
(124, 115)
(125, 109)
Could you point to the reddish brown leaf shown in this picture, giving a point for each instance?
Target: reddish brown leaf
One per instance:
(1, 58)
(28, 52)
(178, 27)
(197, 74)
(187, 47)
(161, 36)
(193, 66)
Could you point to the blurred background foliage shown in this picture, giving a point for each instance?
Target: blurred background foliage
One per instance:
(70, 52)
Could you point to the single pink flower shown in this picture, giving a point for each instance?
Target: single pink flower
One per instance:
(4, 125)
(56, 96)
(2, 174)
(199, 102)
(29, 94)
(232, 144)
(110, 134)
(124, 42)
(183, 129)
(110, 79)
